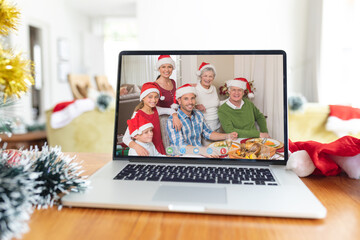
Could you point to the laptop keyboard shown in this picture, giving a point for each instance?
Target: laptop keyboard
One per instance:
(197, 174)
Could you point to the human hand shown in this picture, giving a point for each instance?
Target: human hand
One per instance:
(233, 135)
(200, 107)
(177, 123)
(141, 151)
(264, 135)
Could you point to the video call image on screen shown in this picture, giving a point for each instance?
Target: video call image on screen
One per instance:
(214, 106)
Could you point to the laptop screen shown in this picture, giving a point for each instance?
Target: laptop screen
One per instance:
(223, 106)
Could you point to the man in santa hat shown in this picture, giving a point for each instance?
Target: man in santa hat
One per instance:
(194, 125)
(239, 114)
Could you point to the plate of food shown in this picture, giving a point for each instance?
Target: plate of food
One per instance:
(221, 144)
(253, 150)
(269, 142)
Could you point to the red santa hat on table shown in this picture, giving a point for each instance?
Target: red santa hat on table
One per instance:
(203, 66)
(138, 124)
(164, 59)
(241, 83)
(150, 87)
(184, 89)
(64, 112)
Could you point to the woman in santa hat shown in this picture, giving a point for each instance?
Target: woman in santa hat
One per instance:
(149, 97)
(207, 99)
(165, 65)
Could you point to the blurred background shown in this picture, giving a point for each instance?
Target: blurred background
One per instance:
(64, 37)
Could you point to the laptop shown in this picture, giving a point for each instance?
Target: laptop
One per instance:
(216, 177)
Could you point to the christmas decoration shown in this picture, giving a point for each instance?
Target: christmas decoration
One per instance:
(104, 101)
(296, 103)
(18, 193)
(9, 17)
(15, 73)
(33, 178)
(59, 174)
(28, 178)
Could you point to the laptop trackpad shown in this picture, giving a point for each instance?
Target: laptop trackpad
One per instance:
(191, 194)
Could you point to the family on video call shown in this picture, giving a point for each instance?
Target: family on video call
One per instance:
(197, 117)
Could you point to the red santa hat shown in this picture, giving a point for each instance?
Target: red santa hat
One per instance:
(164, 59)
(138, 124)
(184, 89)
(343, 120)
(204, 65)
(64, 112)
(241, 83)
(150, 87)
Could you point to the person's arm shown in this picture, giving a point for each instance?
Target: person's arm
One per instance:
(175, 137)
(215, 136)
(228, 126)
(169, 111)
(261, 120)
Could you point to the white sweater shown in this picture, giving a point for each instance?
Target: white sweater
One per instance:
(210, 100)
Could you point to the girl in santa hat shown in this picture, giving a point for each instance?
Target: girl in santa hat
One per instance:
(207, 99)
(149, 97)
(165, 65)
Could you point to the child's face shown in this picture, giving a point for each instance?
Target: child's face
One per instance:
(151, 99)
(146, 136)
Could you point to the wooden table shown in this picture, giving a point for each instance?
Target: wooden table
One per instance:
(340, 195)
(25, 140)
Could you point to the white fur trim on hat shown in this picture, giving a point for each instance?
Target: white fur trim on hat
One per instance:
(165, 61)
(236, 83)
(150, 90)
(198, 73)
(184, 90)
(141, 129)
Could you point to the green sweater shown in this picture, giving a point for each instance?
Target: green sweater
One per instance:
(242, 120)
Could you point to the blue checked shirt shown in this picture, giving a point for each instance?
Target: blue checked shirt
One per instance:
(193, 128)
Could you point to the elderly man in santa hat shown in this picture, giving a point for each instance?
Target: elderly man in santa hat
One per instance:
(194, 125)
(239, 114)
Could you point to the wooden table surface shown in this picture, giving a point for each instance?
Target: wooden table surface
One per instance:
(340, 195)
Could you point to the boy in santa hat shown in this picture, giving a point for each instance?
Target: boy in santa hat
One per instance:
(240, 114)
(142, 131)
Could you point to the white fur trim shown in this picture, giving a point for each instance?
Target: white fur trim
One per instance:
(342, 127)
(300, 163)
(165, 61)
(236, 83)
(162, 98)
(198, 73)
(147, 91)
(185, 90)
(251, 95)
(65, 116)
(141, 129)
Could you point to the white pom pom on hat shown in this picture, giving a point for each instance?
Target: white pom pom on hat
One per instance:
(164, 59)
(241, 83)
(204, 65)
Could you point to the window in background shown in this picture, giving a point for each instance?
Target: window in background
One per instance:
(119, 34)
(340, 53)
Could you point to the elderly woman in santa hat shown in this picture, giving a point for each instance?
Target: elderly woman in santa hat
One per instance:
(207, 99)
(165, 65)
(240, 114)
